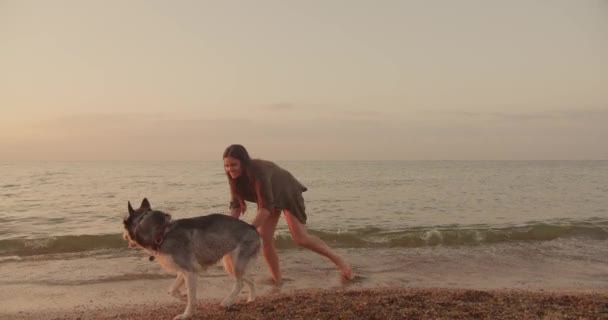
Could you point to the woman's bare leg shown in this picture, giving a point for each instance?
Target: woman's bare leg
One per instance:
(266, 231)
(302, 238)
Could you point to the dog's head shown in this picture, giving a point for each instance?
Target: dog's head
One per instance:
(132, 219)
(143, 226)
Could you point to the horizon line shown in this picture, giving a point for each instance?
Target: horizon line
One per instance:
(320, 160)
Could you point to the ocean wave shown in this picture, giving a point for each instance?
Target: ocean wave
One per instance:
(453, 235)
(60, 244)
(456, 235)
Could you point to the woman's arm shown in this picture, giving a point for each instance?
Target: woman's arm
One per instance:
(237, 206)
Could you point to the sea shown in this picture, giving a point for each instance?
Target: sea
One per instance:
(472, 224)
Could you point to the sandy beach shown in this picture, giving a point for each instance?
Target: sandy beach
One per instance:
(430, 287)
(379, 303)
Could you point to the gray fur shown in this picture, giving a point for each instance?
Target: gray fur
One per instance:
(189, 246)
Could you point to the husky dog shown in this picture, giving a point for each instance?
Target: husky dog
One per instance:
(189, 246)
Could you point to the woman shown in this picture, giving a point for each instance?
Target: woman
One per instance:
(274, 189)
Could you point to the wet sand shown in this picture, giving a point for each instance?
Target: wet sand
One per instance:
(437, 283)
(379, 303)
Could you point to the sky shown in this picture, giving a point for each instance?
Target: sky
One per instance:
(304, 80)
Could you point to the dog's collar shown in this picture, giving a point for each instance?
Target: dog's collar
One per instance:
(160, 236)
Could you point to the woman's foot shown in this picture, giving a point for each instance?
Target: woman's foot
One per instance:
(347, 274)
(277, 282)
(271, 281)
(345, 270)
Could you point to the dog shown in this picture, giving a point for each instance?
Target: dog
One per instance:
(188, 246)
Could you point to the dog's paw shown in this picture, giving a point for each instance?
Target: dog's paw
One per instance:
(183, 316)
(178, 295)
(226, 303)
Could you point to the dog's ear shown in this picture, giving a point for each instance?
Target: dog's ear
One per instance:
(131, 211)
(145, 204)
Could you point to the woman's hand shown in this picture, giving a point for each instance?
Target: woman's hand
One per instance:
(236, 212)
(237, 209)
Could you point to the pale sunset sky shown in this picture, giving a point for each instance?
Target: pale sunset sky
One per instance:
(304, 80)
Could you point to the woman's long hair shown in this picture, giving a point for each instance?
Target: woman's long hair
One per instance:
(238, 185)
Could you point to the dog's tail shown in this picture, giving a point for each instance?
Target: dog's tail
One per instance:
(229, 264)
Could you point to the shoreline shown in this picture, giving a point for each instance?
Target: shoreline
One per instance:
(375, 303)
(125, 285)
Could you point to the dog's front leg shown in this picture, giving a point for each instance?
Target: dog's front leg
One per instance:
(190, 279)
(175, 289)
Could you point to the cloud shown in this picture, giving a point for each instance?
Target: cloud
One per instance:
(559, 114)
(585, 112)
(282, 106)
(363, 113)
(497, 115)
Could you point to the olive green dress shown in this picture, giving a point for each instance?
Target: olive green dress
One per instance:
(278, 187)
